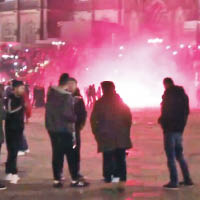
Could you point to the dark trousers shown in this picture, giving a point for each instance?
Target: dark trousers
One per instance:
(61, 147)
(114, 164)
(78, 151)
(23, 143)
(13, 139)
(174, 151)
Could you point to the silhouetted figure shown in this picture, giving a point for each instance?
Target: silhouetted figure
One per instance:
(60, 122)
(81, 114)
(2, 121)
(174, 115)
(111, 123)
(14, 128)
(39, 96)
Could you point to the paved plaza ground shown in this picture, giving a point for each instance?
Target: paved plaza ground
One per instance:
(147, 170)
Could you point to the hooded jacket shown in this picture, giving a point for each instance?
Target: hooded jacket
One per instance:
(174, 110)
(111, 122)
(60, 115)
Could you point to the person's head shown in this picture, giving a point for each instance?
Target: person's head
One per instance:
(63, 81)
(18, 88)
(168, 82)
(72, 85)
(108, 87)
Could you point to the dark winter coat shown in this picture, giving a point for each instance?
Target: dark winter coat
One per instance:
(111, 123)
(174, 110)
(2, 117)
(60, 115)
(80, 111)
(15, 108)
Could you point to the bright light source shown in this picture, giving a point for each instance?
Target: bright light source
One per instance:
(15, 63)
(12, 56)
(120, 55)
(26, 50)
(182, 46)
(16, 57)
(175, 53)
(25, 67)
(199, 47)
(121, 47)
(5, 56)
(155, 41)
(87, 69)
(10, 45)
(189, 46)
(168, 47)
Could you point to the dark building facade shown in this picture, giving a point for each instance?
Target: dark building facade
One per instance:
(29, 20)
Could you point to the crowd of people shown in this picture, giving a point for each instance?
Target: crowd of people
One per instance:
(111, 121)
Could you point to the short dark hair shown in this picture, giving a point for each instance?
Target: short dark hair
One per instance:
(63, 79)
(168, 81)
(72, 79)
(16, 83)
(108, 86)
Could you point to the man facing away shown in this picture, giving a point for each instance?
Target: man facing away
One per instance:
(14, 128)
(173, 119)
(111, 123)
(60, 122)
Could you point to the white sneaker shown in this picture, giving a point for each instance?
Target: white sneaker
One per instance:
(15, 179)
(27, 151)
(8, 177)
(115, 180)
(21, 153)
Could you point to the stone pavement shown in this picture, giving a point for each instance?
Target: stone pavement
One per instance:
(147, 170)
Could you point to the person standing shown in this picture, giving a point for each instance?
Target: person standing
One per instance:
(60, 121)
(81, 114)
(2, 122)
(173, 119)
(14, 127)
(111, 122)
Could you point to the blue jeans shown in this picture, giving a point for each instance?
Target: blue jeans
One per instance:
(174, 151)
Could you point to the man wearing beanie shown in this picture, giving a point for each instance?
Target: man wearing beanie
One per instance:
(14, 129)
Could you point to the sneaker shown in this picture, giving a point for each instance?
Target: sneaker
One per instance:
(79, 184)
(27, 151)
(8, 177)
(171, 186)
(186, 183)
(2, 187)
(57, 184)
(115, 180)
(21, 153)
(15, 179)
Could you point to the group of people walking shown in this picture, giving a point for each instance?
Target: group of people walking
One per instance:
(111, 121)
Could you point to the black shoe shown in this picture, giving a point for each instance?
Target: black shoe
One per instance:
(57, 184)
(186, 183)
(171, 186)
(79, 184)
(81, 177)
(2, 187)
(105, 180)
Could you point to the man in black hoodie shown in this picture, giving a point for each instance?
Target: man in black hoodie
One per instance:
(60, 123)
(174, 115)
(14, 128)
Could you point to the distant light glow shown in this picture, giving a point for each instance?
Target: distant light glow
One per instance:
(182, 46)
(168, 47)
(175, 53)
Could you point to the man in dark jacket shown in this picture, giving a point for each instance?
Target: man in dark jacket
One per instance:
(14, 128)
(81, 114)
(111, 123)
(174, 115)
(60, 123)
